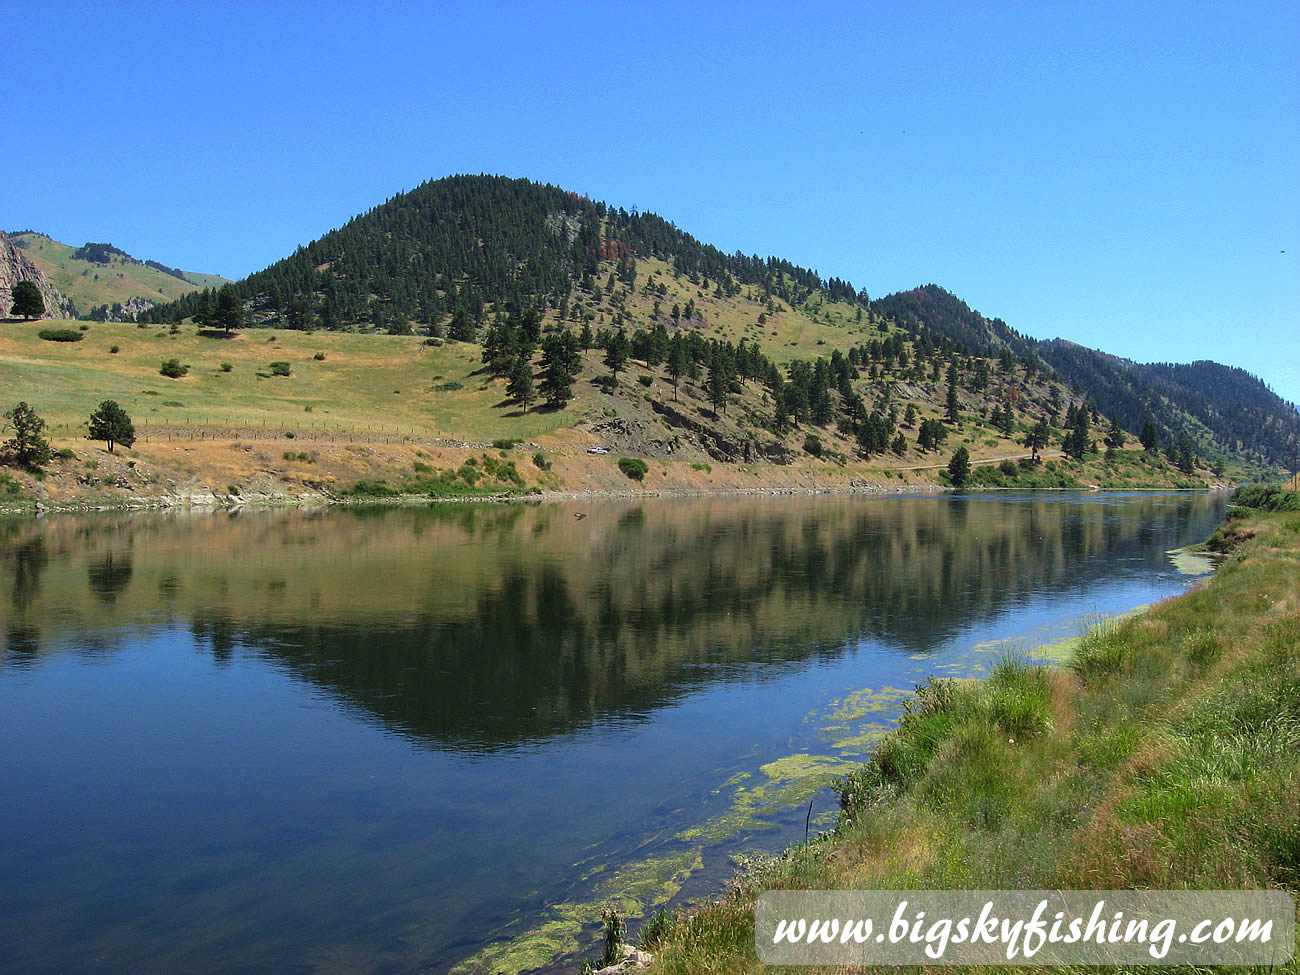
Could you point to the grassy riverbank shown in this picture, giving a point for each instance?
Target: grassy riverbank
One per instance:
(1165, 755)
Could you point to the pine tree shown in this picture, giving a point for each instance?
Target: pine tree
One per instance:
(27, 447)
(520, 385)
(1036, 437)
(616, 353)
(111, 424)
(959, 467)
(27, 300)
(951, 413)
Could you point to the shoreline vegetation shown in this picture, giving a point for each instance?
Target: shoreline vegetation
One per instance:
(1164, 753)
(210, 473)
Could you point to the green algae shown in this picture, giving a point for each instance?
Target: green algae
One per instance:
(1191, 560)
(633, 891)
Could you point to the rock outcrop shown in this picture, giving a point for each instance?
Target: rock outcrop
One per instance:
(15, 266)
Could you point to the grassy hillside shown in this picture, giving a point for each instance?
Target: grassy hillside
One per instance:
(436, 406)
(1166, 755)
(91, 284)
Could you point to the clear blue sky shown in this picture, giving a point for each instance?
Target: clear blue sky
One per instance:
(1125, 175)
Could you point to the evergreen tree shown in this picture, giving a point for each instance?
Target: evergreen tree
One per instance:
(520, 385)
(959, 467)
(1115, 436)
(27, 447)
(1150, 438)
(111, 424)
(616, 353)
(1076, 442)
(27, 300)
(1036, 437)
(678, 362)
(230, 310)
(951, 413)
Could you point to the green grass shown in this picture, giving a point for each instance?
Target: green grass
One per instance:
(1167, 755)
(351, 389)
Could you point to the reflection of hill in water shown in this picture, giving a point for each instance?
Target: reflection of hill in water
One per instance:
(490, 626)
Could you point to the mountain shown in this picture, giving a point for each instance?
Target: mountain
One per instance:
(459, 255)
(15, 266)
(1223, 409)
(96, 277)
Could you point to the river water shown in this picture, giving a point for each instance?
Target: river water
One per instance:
(400, 739)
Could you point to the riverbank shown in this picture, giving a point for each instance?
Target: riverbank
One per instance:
(1166, 754)
(181, 471)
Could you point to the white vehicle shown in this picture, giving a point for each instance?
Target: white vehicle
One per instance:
(597, 450)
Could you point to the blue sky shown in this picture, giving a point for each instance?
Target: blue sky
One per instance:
(1125, 175)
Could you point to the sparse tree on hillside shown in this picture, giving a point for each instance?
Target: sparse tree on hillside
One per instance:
(616, 353)
(1036, 437)
(959, 466)
(110, 424)
(951, 413)
(27, 300)
(520, 385)
(230, 309)
(1115, 436)
(27, 447)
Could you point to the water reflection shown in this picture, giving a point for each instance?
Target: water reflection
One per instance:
(485, 627)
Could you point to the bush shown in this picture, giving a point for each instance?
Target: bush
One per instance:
(1008, 467)
(1266, 497)
(173, 369)
(281, 369)
(540, 462)
(505, 444)
(113, 350)
(813, 444)
(226, 367)
(61, 334)
(645, 380)
(633, 467)
(319, 357)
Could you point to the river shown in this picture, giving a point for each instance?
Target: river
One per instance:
(435, 739)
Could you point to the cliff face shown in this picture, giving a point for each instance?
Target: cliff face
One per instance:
(15, 267)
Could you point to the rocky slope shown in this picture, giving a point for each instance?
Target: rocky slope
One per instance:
(15, 267)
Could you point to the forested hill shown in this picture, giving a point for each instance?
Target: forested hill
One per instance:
(1217, 406)
(459, 244)
(457, 255)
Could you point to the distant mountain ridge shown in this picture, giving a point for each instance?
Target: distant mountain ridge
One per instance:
(103, 282)
(1218, 406)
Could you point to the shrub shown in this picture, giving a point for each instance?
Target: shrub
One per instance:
(813, 444)
(1266, 497)
(1008, 467)
(645, 380)
(450, 387)
(226, 367)
(540, 462)
(84, 327)
(173, 369)
(280, 369)
(61, 335)
(633, 467)
(504, 444)
(319, 357)
(113, 350)
(701, 466)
